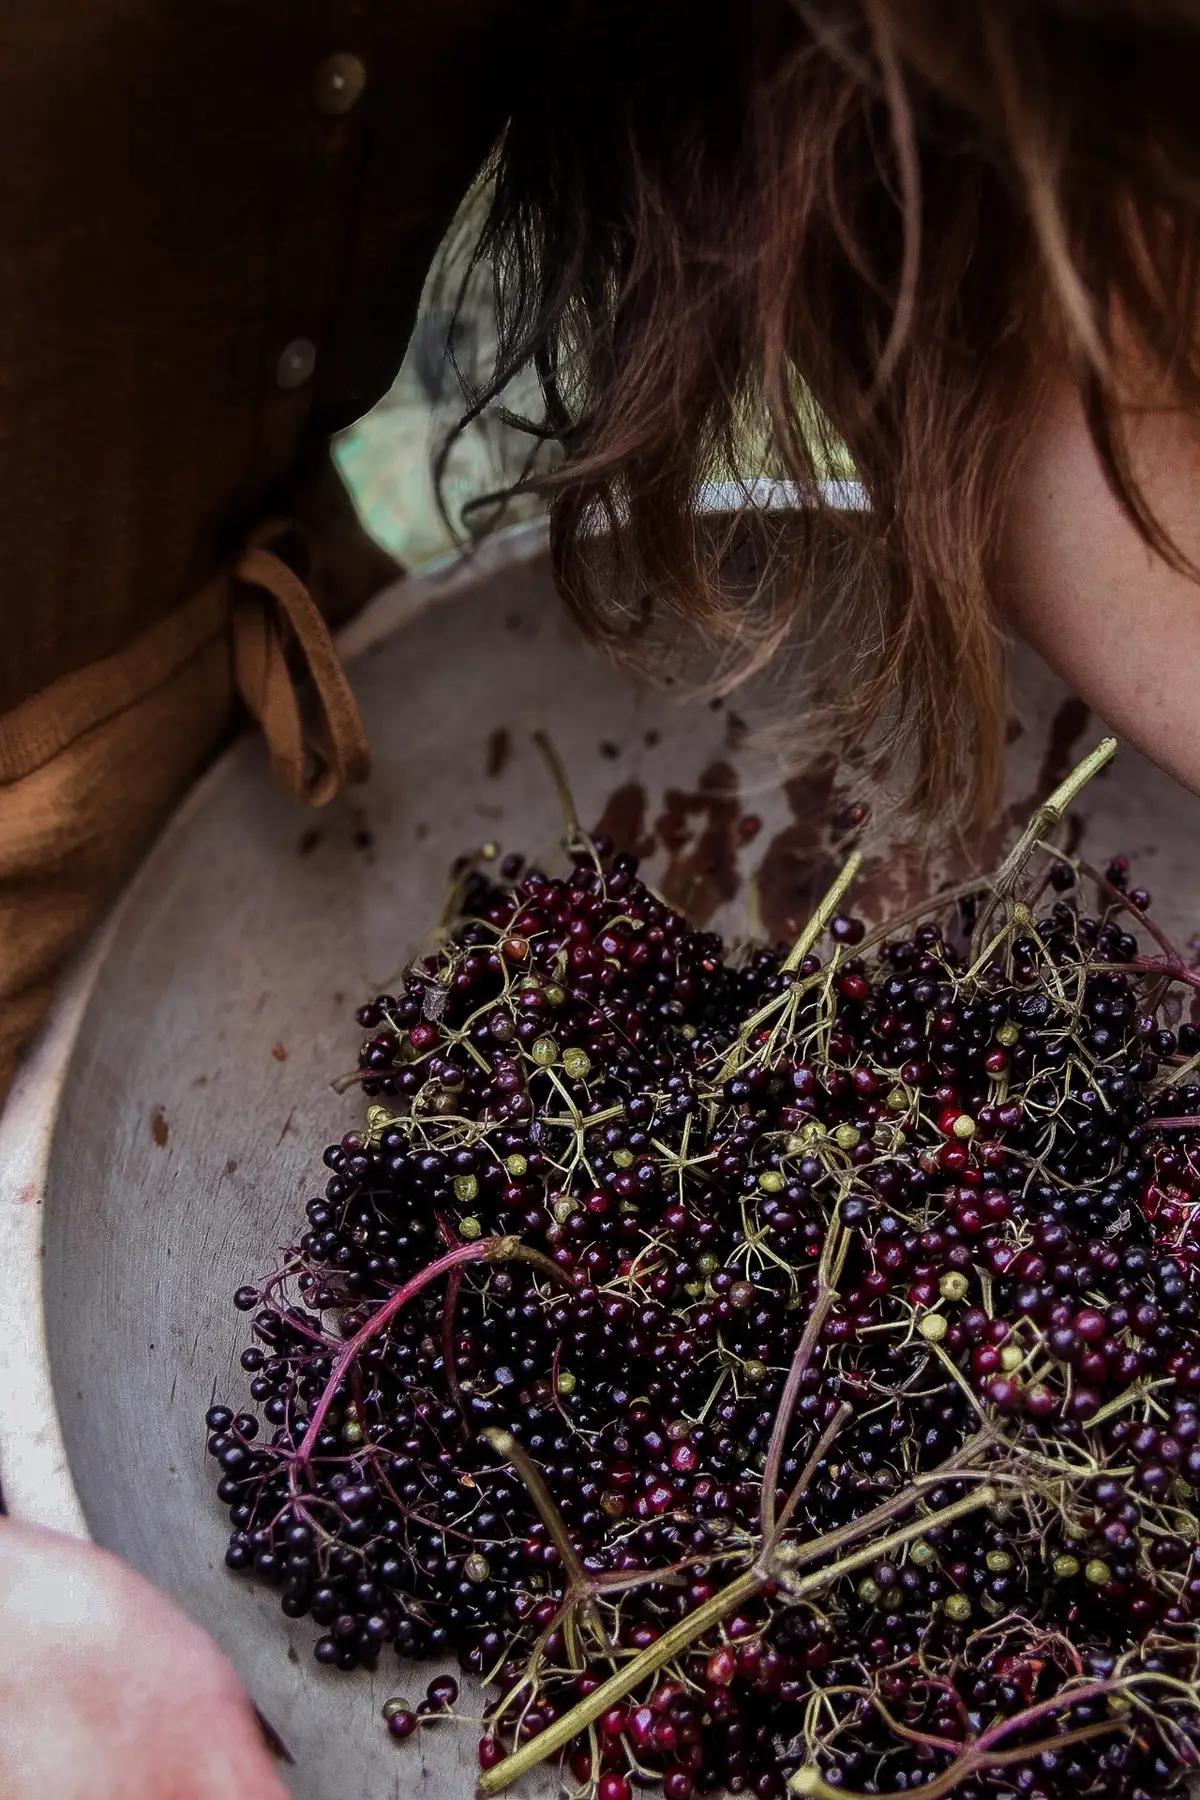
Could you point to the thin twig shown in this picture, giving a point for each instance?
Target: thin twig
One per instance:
(1048, 817)
(824, 912)
(804, 1480)
(576, 837)
(496, 1249)
(711, 1612)
(578, 1588)
(830, 1268)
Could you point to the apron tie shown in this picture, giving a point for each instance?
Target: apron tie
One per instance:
(315, 762)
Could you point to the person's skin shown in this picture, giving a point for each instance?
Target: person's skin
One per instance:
(107, 1692)
(1081, 584)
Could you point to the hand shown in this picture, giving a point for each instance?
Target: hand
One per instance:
(107, 1692)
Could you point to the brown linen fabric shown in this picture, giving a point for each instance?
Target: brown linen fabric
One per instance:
(215, 223)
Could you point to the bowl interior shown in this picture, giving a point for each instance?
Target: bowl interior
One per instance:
(198, 1099)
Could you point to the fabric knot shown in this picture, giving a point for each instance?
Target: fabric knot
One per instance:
(279, 635)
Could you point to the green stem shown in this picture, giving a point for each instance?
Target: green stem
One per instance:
(570, 1724)
(1048, 817)
(878, 1549)
(579, 1591)
(830, 1542)
(791, 963)
(576, 838)
(825, 911)
(686, 1632)
(1052, 811)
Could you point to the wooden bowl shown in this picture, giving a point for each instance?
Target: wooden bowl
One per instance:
(168, 1130)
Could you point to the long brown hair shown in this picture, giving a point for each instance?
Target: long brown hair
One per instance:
(823, 227)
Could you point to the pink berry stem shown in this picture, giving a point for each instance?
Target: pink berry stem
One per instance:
(495, 1249)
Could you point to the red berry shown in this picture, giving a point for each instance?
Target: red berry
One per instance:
(641, 1726)
(1040, 1402)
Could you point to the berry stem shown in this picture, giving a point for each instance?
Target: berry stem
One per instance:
(938, 903)
(824, 912)
(711, 1612)
(1176, 971)
(576, 838)
(982, 1752)
(1051, 813)
(1048, 817)
(496, 1249)
(820, 1450)
(799, 950)
(570, 1724)
(832, 1256)
(810, 1784)
(579, 1592)
(788, 1557)
(1122, 900)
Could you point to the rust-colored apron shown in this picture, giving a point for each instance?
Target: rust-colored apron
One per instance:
(215, 223)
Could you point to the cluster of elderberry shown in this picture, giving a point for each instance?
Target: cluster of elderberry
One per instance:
(761, 1367)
